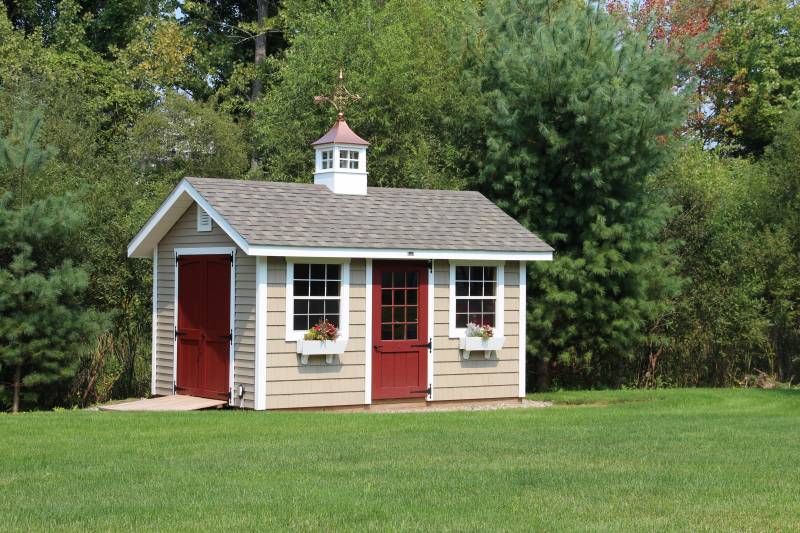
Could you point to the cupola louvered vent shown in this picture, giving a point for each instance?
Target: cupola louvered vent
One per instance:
(203, 220)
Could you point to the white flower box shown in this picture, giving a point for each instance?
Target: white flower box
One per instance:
(479, 344)
(327, 348)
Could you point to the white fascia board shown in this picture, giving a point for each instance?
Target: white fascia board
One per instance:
(385, 253)
(161, 222)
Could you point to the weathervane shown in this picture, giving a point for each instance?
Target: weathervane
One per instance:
(340, 97)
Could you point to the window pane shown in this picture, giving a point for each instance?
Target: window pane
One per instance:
(399, 279)
(386, 297)
(413, 279)
(462, 288)
(317, 288)
(489, 273)
(332, 288)
(399, 314)
(342, 162)
(462, 273)
(300, 322)
(386, 332)
(461, 306)
(317, 271)
(354, 163)
(301, 307)
(399, 332)
(386, 313)
(488, 289)
(333, 271)
(301, 288)
(476, 288)
(316, 307)
(475, 306)
(461, 320)
(301, 272)
(313, 320)
(333, 319)
(411, 296)
(411, 314)
(411, 331)
(331, 306)
(488, 306)
(488, 319)
(475, 273)
(386, 280)
(399, 297)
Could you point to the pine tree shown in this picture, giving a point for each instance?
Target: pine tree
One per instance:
(43, 323)
(576, 113)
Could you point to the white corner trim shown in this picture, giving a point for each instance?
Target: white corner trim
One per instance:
(523, 322)
(389, 253)
(211, 250)
(368, 338)
(154, 323)
(293, 335)
(184, 188)
(260, 388)
(499, 311)
(431, 335)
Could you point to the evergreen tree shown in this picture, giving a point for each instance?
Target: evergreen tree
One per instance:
(575, 116)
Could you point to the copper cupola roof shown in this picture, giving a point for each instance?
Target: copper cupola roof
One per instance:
(340, 133)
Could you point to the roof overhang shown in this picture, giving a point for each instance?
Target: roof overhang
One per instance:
(384, 253)
(168, 214)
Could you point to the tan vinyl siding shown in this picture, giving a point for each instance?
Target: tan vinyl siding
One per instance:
(293, 385)
(476, 377)
(184, 234)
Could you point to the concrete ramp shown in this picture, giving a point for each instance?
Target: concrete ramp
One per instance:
(177, 402)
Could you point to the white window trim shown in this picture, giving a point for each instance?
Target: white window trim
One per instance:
(344, 295)
(499, 327)
(331, 160)
(206, 251)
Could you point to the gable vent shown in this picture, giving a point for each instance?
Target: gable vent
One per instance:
(203, 220)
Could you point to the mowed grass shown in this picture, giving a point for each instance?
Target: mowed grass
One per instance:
(631, 460)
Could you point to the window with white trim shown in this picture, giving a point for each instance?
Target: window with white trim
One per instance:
(326, 161)
(316, 293)
(476, 295)
(348, 159)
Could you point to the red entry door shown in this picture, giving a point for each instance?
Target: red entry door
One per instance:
(400, 330)
(204, 325)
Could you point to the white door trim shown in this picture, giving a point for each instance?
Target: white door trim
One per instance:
(368, 337)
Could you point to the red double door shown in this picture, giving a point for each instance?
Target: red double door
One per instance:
(400, 334)
(204, 325)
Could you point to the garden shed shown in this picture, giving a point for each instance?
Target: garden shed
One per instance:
(296, 295)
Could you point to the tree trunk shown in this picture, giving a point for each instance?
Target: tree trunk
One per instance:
(17, 386)
(261, 46)
(542, 377)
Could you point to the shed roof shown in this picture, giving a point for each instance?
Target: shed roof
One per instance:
(300, 214)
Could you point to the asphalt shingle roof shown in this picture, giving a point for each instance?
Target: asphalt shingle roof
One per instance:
(303, 214)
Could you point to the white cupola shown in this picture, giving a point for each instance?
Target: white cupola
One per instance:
(341, 155)
(341, 160)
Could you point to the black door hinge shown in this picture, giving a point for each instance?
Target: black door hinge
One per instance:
(430, 265)
(179, 333)
(426, 391)
(231, 258)
(229, 336)
(428, 346)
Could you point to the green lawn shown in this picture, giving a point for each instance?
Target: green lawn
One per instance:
(652, 460)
